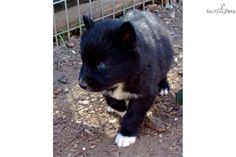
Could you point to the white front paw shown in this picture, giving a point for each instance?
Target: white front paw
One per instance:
(124, 141)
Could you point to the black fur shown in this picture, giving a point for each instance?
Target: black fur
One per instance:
(136, 51)
(118, 105)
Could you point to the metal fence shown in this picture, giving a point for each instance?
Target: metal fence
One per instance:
(67, 14)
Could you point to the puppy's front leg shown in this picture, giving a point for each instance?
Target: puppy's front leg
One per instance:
(131, 121)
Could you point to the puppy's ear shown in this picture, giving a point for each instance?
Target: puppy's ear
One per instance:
(127, 35)
(87, 22)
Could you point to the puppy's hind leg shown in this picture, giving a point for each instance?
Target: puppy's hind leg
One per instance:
(114, 105)
(164, 87)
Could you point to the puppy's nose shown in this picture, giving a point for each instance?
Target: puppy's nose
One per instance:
(82, 84)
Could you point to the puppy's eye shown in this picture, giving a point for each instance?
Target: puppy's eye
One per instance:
(101, 65)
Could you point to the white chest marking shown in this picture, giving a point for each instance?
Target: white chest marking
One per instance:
(120, 94)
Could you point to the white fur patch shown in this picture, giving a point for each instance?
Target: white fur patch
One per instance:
(111, 110)
(164, 92)
(124, 141)
(120, 94)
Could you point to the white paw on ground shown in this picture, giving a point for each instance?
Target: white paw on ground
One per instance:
(111, 110)
(124, 141)
(164, 92)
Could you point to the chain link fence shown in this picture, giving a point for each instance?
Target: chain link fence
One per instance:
(67, 16)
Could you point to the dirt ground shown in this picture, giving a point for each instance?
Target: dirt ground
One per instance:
(83, 128)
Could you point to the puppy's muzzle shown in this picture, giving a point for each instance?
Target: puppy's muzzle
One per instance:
(83, 84)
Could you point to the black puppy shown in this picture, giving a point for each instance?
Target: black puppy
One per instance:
(126, 59)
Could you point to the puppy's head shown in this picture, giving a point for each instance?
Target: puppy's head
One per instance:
(108, 52)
